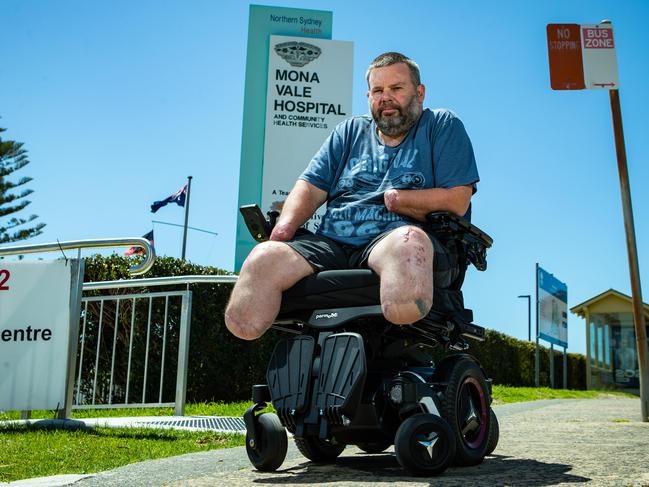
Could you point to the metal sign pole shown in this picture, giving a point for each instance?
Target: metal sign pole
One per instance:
(189, 188)
(636, 290)
(536, 355)
(552, 365)
(565, 368)
(76, 291)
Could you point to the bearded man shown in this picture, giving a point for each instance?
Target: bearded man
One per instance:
(380, 175)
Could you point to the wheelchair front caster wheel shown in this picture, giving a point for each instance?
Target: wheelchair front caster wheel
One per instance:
(494, 432)
(424, 445)
(268, 452)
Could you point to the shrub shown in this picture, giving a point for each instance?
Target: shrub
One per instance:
(222, 367)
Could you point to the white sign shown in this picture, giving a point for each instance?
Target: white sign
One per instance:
(309, 92)
(34, 333)
(598, 53)
(553, 308)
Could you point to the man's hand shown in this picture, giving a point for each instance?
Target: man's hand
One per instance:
(282, 232)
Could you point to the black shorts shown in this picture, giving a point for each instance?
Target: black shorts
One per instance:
(325, 254)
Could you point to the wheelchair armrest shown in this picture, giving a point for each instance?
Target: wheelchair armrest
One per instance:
(476, 242)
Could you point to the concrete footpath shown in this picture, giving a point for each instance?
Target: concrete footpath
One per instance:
(561, 442)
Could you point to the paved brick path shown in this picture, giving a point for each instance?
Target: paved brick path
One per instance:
(569, 442)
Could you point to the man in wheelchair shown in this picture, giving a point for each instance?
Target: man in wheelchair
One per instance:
(398, 186)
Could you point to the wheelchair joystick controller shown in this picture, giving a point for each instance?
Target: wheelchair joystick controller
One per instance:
(258, 226)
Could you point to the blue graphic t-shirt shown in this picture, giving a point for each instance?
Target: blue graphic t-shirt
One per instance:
(355, 168)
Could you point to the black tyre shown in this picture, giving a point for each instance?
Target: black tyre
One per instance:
(272, 444)
(318, 450)
(465, 406)
(375, 446)
(424, 445)
(494, 432)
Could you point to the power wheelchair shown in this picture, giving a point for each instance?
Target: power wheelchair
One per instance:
(347, 376)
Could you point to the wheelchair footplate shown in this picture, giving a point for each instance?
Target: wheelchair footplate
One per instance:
(317, 385)
(288, 376)
(338, 387)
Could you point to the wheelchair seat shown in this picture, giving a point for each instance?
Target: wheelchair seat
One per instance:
(329, 299)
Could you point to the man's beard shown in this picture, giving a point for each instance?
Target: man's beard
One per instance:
(396, 125)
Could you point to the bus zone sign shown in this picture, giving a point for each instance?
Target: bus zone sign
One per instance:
(582, 57)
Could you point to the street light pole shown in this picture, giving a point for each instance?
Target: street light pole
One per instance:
(529, 315)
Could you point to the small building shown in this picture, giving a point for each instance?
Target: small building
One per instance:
(611, 356)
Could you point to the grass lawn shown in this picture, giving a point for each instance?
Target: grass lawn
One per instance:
(29, 452)
(506, 394)
(199, 409)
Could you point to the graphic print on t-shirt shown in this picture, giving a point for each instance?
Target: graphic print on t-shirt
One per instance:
(358, 209)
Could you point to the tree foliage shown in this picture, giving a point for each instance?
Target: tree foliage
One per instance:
(13, 193)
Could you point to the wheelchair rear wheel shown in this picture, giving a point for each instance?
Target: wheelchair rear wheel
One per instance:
(466, 407)
(318, 450)
(424, 444)
(272, 444)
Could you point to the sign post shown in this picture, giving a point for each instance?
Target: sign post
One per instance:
(632, 251)
(599, 66)
(265, 21)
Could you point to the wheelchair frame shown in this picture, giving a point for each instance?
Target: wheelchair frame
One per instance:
(347, 376)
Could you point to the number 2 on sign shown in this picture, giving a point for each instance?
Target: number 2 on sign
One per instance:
(4, 277)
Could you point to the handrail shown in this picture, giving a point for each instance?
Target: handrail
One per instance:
(158, 281)
(136, 270)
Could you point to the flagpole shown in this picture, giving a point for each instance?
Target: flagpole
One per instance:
(189, 187)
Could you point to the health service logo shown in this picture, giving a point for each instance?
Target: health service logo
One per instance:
(297, 54)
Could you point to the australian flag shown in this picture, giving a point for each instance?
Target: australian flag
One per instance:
(140, 250)
(178, 197)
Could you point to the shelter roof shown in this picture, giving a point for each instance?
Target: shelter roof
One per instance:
(581, 308)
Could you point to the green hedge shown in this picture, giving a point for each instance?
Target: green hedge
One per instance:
(509, 361)
(222, 367)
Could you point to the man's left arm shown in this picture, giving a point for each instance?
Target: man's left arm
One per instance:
(454, 169)
(417, 203)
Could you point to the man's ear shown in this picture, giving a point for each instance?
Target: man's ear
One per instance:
(421, 93)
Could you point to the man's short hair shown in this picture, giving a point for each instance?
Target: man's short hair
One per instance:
(390, 58)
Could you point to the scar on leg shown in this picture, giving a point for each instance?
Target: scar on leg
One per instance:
(421, 306)
(419, 258)
(406, 236)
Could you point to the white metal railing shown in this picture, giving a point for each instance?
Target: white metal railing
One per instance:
(159, 281)
(138, 269)
(93, 393)
(95, 390)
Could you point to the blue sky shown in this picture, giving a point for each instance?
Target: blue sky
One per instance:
(118, 102)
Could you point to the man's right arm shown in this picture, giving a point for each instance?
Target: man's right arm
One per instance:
(301, 204)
